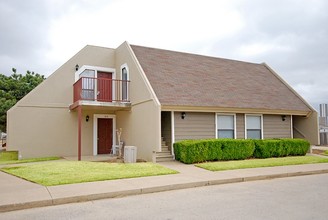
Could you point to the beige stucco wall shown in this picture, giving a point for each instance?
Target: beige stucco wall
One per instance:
(307, 127)
(41, 124)
(141, 126)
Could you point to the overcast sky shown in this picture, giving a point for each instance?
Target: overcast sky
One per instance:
(291, 36)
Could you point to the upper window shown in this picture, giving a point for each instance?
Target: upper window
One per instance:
(125, 79)
(225, 126)
(253, 127)
(88, 84)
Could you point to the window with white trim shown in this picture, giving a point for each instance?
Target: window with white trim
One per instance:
(225, 126)
(125, 78)
(88, 84)
(253, 127)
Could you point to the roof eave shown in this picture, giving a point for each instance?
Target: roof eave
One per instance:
(234, 110)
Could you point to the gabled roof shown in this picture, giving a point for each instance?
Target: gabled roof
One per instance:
(182, 79)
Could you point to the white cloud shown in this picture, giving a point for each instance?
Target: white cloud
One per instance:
(289, 35)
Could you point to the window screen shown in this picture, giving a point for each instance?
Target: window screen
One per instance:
(225, 126)
(253, 125)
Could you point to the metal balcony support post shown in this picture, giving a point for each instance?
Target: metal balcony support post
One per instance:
(79, 136)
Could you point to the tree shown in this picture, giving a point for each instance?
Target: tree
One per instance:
(13, 88)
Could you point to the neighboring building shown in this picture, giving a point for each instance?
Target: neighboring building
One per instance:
(323, 124)
(154, 94)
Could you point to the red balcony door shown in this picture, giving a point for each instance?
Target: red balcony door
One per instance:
(105, 87)
(105, 135)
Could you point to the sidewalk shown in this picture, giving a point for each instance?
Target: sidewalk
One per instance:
(16, 193)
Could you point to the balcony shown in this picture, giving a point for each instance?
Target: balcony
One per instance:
(101, 92)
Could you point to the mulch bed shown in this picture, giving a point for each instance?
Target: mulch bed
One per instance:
(317, 151)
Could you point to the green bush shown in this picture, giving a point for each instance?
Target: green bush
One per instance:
(196, 151)
(280, 148)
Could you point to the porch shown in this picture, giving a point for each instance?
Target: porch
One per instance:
(101, 92)
(101, 97)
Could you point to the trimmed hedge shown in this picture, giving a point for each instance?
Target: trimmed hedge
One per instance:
(196, 151)
(280, 148)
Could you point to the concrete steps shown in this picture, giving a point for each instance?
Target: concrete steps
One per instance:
(164, 154)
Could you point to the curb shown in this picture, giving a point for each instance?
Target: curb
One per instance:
(91, 197)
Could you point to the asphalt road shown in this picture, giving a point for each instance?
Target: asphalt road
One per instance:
(304, 197)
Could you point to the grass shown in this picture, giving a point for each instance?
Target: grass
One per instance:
(325, 153)
(11, 157)
(68, 172)
(29, 160)
(254, 163)
(8, 155)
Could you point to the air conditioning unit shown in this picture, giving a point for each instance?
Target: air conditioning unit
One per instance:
(130, 154)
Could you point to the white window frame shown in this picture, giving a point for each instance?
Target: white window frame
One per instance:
(95, 131)
(261, 116)
(96, 69)
(234, 123)
(125, 65)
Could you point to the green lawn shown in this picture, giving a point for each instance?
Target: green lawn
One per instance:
(29, 160)
(11, 157)
(8, 155)
(67, 172)
(254, 163)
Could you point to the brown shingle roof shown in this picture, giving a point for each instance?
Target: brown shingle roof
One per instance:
(182, 79)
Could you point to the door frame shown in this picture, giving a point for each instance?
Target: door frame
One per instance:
(95, 130)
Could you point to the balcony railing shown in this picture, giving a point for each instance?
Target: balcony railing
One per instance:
(101, 90)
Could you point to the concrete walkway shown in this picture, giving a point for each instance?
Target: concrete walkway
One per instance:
(16, 193)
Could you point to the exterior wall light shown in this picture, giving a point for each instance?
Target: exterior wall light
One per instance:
(183, 115)
(87, 118)
(283, 117)
(77, 67)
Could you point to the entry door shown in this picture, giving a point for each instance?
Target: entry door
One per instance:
(105, 86)
(105, 135)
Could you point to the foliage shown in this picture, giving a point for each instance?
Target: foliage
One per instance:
(280, 148)
(13, 88)
(268, 162)
(68, 172)
(196, 151)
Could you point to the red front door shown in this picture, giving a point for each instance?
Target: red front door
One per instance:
(105, 135)
(105, 86)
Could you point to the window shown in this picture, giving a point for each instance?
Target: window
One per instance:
(253, 127)
(88, 85)
(225, 126)
(125, 78)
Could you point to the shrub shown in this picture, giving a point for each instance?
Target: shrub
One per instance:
(195, 151)
(280, 148)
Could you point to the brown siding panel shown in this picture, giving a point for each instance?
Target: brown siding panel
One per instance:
(196, 125)
(240, 126)
(275, 127)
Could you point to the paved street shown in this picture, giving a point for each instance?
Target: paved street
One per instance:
(304, 197)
